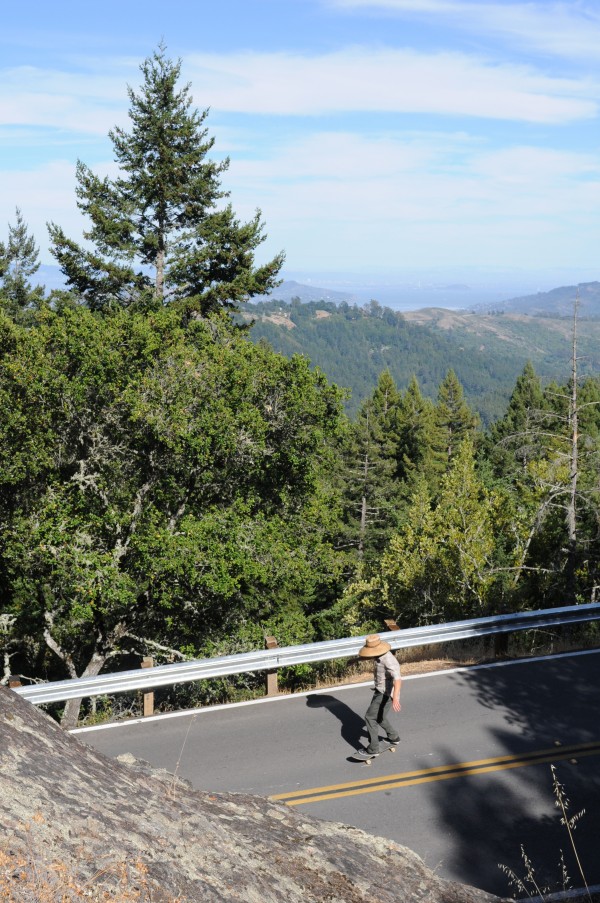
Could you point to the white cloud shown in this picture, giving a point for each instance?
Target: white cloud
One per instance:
(407, 200)
(44, 193)
(83, 101)
(397, 81)
(387, 80)
(526, 165)
(570, 30)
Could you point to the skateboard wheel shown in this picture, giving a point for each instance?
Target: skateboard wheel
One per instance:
(392, 749)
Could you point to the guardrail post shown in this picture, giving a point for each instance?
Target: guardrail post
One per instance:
(148, 703)
(501, 641)
(500, 645)
(14, 680)
(271, 688)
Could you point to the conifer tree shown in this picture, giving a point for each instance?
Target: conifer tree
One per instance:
(18, 262)
(385, 399)
(515, 440)
(415, 432)
(158, 231)
(454, 421)
(371, 489)
(440, 565)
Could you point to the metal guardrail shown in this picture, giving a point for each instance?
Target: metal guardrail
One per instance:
(281, 657)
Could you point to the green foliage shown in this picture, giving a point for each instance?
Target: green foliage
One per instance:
(414, 449)
(159, 483)
(439, 566)
(18, 262)
(368, 469)
(530, 454)
(353, 345)
(514, 440)
(454, 421)
(161, 213)
(170, 486)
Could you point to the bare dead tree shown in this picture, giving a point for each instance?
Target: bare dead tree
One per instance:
(560, 493)
(571, 514)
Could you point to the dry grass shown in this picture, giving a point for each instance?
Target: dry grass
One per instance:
(526, 885)
(26, 880)
(27, 875)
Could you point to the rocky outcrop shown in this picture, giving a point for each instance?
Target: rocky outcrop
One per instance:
(70, 804)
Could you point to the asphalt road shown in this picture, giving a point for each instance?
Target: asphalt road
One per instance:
(469, 784)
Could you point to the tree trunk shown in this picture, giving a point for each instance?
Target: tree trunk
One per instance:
(72, 708)
(71, 711)
(363, 527)
(573, 471)
(159, 284)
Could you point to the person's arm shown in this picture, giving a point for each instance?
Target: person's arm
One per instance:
(396, 695)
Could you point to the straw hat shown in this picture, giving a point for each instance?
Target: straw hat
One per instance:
(373, 647)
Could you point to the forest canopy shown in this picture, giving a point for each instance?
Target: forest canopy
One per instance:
(169, 487)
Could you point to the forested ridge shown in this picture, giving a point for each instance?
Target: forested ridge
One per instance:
(170, 487)
(353, 344)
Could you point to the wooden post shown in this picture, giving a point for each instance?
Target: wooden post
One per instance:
(148, 706)
(391, 624)
(500, 645)
(271, 679)
(14, 680)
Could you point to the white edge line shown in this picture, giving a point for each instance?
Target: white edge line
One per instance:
(203, 710)
(564, 895)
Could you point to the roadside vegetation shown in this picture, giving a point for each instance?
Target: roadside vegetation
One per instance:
(170, 488)
(527, 885)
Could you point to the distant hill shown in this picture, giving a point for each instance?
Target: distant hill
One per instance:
(487, 346)
(556, 303)
(52, 278)
(353, 345)
(392, 293)
(290, 289)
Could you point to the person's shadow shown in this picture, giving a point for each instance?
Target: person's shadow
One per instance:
(353, 726)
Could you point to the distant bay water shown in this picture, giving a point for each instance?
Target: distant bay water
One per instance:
(395, 296)
(405, 296)
(454, 298)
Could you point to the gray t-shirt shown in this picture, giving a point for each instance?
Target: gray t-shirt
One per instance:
(385, 671)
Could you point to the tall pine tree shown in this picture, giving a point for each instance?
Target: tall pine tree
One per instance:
(18, 262)
(454, 421)
(371, 490)
(158, 231)
(516, 440)
(415, 434)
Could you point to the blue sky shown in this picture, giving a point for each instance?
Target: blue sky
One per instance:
(376, 136)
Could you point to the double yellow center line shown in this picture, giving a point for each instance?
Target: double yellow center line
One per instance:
(439, 773)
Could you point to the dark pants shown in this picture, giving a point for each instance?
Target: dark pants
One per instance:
(376, 715)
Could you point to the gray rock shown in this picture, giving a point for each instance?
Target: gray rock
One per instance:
(71, 804)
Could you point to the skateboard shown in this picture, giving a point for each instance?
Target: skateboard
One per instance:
(361, 755)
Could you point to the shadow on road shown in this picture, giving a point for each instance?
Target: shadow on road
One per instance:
(490, 816)
(352, 725)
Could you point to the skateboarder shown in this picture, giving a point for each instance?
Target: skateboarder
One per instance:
(386, 695)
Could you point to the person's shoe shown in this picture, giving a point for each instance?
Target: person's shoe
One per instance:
(363, 755)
